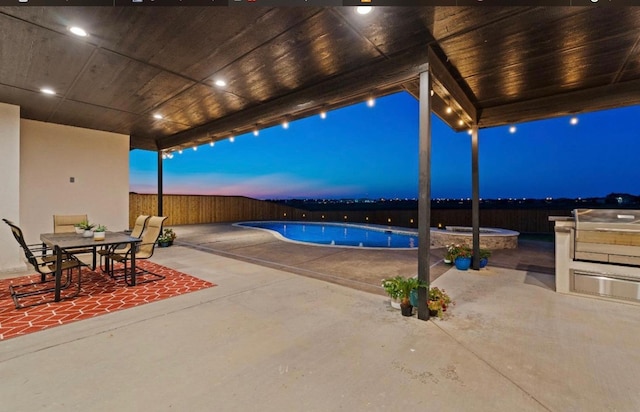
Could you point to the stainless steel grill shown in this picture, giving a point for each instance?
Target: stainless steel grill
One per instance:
(607, 235)
(606, 253)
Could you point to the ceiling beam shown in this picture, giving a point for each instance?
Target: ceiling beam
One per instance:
(580, 101)
(449, 90)
(370, 80)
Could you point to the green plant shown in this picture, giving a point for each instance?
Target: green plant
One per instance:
(438, 301)
(168, 235)
(456, 251)
(101, 228)
(405, 286)
(86, 225)
(391, 287)
(485, 253)
(401, 287)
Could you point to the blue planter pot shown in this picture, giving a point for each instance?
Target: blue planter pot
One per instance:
(463, 263)
(413, 298)
(483, 262)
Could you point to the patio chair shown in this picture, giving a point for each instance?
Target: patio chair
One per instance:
(67, 224)
(143, 251)
(138, 228)
(45, 265)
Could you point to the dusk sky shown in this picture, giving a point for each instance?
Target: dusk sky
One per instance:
(372, 152)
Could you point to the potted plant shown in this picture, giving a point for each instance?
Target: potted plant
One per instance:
(405, 286)
(100, 232)
(87, 228)
(461, 255)
(449, 256)
(391, 287)
(484, 257)
(166, 238)
(438, 302)
(79, 229)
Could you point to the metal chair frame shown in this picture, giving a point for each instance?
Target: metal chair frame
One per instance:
(144, 250)
(45, 265)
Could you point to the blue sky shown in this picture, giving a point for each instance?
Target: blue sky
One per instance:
(372, 152)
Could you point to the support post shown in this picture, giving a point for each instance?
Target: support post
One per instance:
(424, 192)
(160, 183)
(475, 198)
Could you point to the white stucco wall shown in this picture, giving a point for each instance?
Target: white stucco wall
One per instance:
(50, 155)
(10, 255)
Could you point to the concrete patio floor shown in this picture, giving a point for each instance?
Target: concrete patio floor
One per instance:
(271, 340)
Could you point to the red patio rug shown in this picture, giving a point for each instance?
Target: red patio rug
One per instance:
(99, 295)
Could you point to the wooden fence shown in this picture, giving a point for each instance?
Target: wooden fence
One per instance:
(192, 209)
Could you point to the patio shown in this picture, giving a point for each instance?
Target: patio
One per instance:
(269, 339)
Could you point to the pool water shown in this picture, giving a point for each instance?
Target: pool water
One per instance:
(337, 234)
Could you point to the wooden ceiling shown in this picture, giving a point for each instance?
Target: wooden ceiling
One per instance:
(494, 65)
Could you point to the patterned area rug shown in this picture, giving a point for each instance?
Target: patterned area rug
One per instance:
(99, 295)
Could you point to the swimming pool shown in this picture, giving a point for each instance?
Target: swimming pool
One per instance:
(338, 234)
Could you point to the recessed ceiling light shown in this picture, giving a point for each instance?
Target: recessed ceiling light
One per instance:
(78, 31)
(157, 116)
(364, 9)
(47, 90)
(220, 83)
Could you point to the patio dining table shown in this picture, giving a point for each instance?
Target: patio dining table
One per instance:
(65, 242)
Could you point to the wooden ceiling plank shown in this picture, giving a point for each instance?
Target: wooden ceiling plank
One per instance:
(361, 82)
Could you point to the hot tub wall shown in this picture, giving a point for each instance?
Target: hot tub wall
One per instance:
(502, 239)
